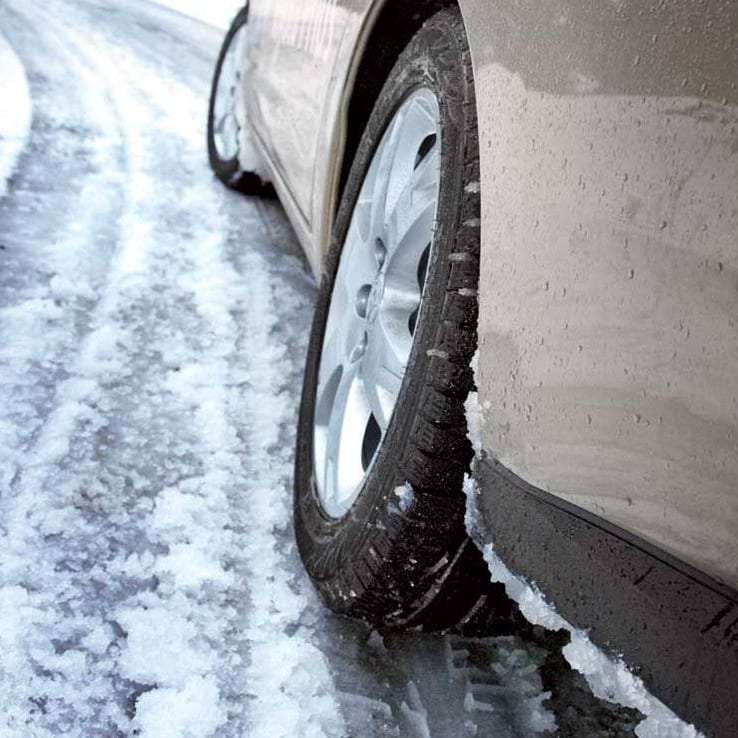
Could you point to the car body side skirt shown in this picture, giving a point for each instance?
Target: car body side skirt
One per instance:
(677, 627)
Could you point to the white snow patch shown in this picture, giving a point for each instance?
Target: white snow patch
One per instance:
(405, 495)
(474, 413)
(191, 711)
(292, 693)
(15, 111)
(613, 681)
(531, 601)
(163, 646)
(289, 688)
(192, 566)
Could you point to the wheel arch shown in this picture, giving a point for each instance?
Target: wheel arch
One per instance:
(387, 28)
(391, 24)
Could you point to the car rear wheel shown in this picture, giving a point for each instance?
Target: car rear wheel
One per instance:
(382, 446)
(226, 136)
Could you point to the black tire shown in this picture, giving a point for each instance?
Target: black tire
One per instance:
(229, 171)
(413, 567)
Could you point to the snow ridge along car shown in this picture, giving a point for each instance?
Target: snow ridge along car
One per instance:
(553, 186)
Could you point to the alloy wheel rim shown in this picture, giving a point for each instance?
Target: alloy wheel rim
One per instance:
(226, 126)
(376, 301)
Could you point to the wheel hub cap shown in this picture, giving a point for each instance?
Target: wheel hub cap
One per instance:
(375, 302)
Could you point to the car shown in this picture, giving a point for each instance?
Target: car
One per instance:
(528, 212)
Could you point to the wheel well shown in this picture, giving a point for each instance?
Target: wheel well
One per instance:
(397, 23)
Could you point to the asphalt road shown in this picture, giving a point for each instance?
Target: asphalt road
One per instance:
(153, 328)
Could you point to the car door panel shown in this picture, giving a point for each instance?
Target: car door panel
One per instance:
(291, 60)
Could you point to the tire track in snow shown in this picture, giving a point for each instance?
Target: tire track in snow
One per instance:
(56, 637)
(50, 277)
(159, 644)
(286, 681)
(242, 417)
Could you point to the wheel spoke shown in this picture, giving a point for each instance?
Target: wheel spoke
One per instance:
(376, 186)
(221, 108)
(426, 175)
(239, 52)
(232, 64)
(416, 202)
(345, 435)
(414, 128)
(414, 233)
(219, 122)
(358, 264)
(341, 340)
(338, 368)
(382, 372)
(227, 134)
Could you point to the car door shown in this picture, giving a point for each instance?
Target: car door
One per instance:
(292, 53)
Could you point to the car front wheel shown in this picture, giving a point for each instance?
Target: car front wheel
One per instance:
(382, 445)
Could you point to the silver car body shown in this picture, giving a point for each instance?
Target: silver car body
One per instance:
(608, 335)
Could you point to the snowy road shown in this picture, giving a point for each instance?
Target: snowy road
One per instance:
(152, 335)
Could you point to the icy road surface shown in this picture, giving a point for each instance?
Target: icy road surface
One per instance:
(152, 336)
